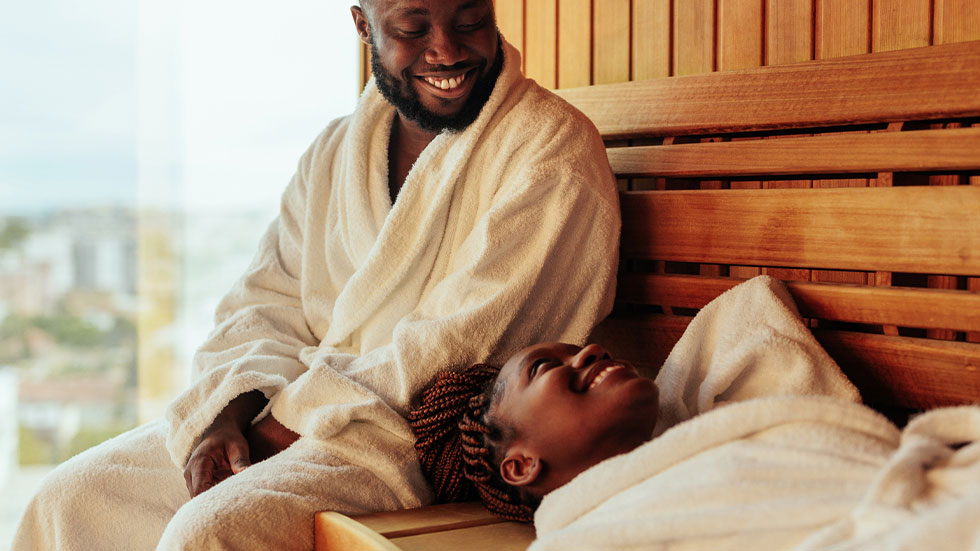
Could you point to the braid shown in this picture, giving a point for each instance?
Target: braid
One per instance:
(456, 444)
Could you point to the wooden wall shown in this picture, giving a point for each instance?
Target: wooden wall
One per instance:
(570, 43)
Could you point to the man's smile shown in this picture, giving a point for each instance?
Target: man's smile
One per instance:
(448, 85)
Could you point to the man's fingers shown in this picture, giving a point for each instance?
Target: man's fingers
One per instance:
(238, 458)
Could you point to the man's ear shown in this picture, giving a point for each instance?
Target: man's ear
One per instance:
(361, 24)
(518, 469)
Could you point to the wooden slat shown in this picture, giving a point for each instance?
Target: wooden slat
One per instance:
(904, 229)
(907, 307)
(434, 518)
(574, 43)
(510, 21)
(336, 532)
(541, 33)
(789, 31)
(507, 536)
(889, 371)
(739, 34)
(694, 48)
(904, 371)
(899, 24)
(611, 49)
(956, 21)
(926, 150)
(934, 82)
(651, 39)
(842, 28)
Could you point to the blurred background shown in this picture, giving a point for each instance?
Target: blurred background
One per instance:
(144, 145)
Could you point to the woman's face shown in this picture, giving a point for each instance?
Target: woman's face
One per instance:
(569, 408)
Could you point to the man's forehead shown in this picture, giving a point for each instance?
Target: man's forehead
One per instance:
(422, 7)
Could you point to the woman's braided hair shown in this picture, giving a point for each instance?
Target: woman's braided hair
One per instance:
(457, 444)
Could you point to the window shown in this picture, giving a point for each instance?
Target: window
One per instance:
(143, 149)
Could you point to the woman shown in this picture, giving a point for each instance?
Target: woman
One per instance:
(551, 412)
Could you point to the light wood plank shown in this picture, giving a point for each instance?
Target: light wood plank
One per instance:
(574, 43)
(694, 48)
(508, 536)
(789, 31)
(651, 39)
(541, 33)
(611, 50)
(510, 21)
(925, 150)
(939, 81)
(334, 531)
(904, 371)
(888, 371)
(907, 307)
(956, 21)
(903, 229)
(899, 24)
(434, 518)
(842, 28)
(740, 34)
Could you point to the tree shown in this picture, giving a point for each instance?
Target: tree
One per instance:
(13, 234)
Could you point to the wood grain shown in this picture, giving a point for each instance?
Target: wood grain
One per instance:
(907, 307)
(541, 41)
(694, 48)
(611, 50)
(921, 83)
(842, 28)
(740, 34)
(651, 39)
(898, 229)
(789, 31)
(900, 24)
(510, 21)
(574, 43)
(925, 150)
(956, 21)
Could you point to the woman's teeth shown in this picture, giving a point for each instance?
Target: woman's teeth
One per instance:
(446, 83)
(602, 375)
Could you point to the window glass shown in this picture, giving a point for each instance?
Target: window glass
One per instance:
(143, 148)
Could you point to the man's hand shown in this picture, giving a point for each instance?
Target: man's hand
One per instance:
(268, 437)
(223, 449)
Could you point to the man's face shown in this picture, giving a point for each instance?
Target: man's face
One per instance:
(573, 407)
(436, 61)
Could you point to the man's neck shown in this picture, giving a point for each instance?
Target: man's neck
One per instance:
(405, 144)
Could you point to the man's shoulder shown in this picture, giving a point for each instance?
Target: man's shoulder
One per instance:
(545, 106)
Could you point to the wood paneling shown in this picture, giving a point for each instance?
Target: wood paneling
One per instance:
(922, 150)
(896, 229)
(842, 27)
(899, 24)
(611, 50)
(651, 38)
(541, 34)
(574, 43)
(740, 34)
(510, 21)
(694, 49)
(891, 86)
(789, 31)
(956, 21)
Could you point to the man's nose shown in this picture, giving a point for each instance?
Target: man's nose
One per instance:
(443, 48)
(589, 355)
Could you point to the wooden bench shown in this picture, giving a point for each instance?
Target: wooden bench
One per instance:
(856, 180)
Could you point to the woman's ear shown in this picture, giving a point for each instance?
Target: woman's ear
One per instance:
(519, 470)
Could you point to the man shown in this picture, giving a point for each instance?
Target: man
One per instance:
(458, 214)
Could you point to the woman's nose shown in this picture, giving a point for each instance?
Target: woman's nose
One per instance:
(589, 355)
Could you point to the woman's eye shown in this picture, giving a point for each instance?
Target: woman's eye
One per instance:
(536, 365)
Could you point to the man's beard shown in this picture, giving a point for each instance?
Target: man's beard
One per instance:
(406, 99)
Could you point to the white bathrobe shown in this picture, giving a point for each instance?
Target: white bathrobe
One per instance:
(760, 445)
(502, 235)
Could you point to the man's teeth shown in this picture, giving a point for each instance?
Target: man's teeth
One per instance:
(602, 375)
(446, 83)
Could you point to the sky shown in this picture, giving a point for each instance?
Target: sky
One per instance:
(97, 96)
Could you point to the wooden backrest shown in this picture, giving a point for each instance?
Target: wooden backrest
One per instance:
(856, 180)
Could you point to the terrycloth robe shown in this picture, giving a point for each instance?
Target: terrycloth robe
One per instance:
(503, 234)
(760, 445)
